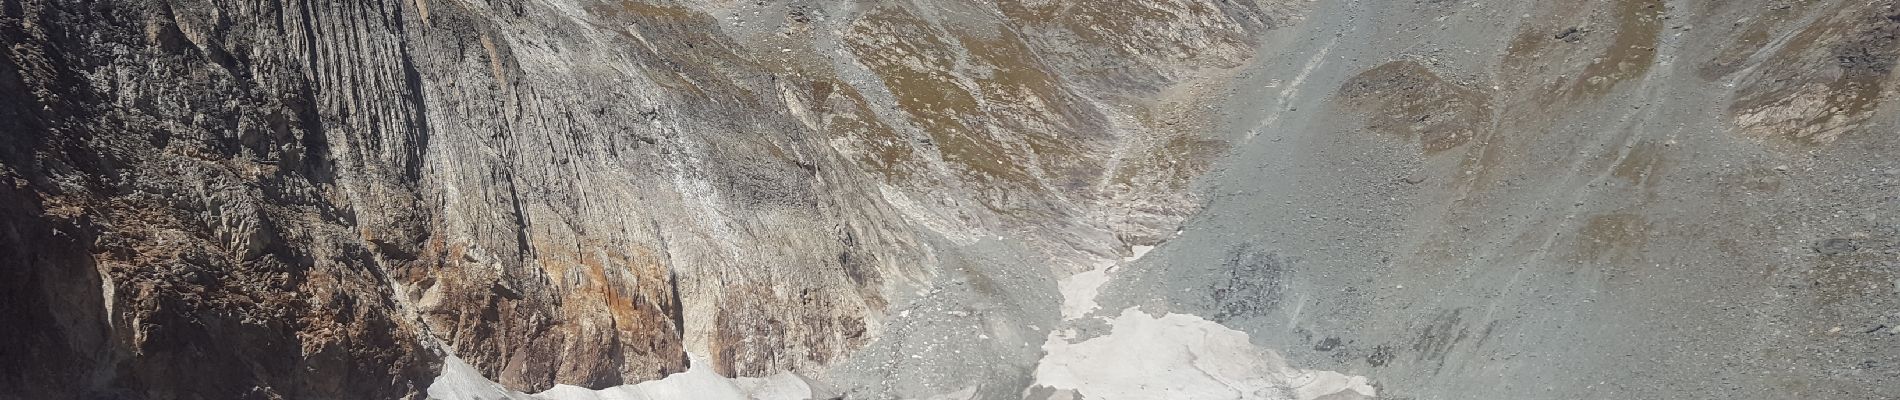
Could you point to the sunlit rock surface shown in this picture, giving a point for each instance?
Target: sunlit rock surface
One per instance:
(582, 199)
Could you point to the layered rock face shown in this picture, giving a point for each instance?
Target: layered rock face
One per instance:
(321, 199)
(878, 199)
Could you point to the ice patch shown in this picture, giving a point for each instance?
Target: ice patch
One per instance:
(460, 381)
(1178, 356)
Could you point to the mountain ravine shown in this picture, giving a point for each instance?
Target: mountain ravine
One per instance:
(949, 199)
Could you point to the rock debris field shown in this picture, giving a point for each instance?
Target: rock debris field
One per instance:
(950, 199)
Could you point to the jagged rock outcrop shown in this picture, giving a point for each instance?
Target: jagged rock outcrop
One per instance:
(321, 199)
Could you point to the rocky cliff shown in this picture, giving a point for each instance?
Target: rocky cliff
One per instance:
(906, 199)
(323, 199)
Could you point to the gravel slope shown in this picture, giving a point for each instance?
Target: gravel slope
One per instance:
(955, 200)
(1508, 200)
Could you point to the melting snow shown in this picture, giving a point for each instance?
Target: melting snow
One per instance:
(1139, 251)
(1174, 356)
(1079, 290)
(1178, 356)
(460, 381)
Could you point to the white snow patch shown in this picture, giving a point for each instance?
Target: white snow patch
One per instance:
(1138, 251)
(1180, 356)
(781, 386)
(967, 393)
(460, 381)
(1079, 291)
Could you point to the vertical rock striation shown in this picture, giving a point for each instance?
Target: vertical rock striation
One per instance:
(306, 199)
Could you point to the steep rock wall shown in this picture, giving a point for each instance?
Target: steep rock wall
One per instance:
(319, 199)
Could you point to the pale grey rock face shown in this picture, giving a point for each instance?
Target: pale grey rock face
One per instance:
(578, 192)
(610, 184)
(880, 199)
